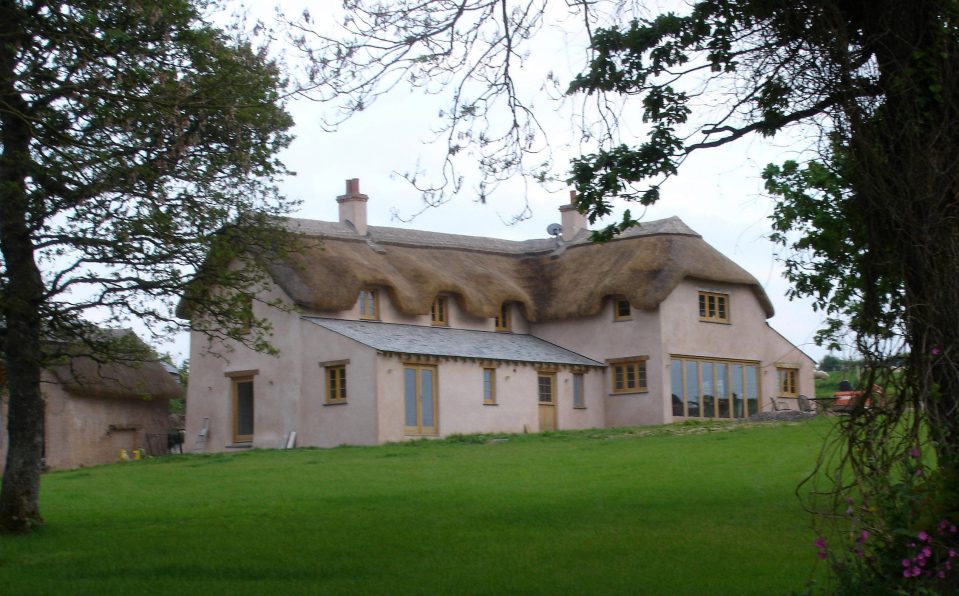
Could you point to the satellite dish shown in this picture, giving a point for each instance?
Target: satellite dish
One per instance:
(554, 229)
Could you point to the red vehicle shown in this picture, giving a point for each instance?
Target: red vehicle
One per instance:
(847, 400)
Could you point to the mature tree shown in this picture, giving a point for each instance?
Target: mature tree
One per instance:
(871, 218)
(138, 145)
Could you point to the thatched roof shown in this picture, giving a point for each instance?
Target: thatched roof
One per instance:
(550, 279)
(136, 376)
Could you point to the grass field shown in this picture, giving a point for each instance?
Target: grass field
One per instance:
(675, 510)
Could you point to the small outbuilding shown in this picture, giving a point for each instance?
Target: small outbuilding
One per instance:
(95, 410)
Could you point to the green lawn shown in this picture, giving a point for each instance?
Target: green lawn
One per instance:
(674, 510)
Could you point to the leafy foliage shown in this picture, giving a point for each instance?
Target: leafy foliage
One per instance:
(869, 225)
(138, 147)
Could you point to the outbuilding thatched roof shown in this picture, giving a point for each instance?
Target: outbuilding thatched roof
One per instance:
(136, 376)
(550, 279)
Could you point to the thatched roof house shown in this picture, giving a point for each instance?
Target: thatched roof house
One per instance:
(411, 333)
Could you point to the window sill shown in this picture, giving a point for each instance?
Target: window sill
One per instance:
(618, 393)
(715, 321)
(336, 403)
(580, 407)
(621, 319)
(439, 324)
(490, 403)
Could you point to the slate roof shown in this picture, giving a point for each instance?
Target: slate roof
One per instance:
(458, 343)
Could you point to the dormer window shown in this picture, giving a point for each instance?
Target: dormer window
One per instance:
(622, 311)
(714, 307)
(439, 313)
(369, 305)
(502, 321)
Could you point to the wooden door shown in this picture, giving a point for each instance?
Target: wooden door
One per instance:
(547, 401)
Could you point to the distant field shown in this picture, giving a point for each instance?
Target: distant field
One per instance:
(702, 509)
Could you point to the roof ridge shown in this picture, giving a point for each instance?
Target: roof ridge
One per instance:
(391, 235)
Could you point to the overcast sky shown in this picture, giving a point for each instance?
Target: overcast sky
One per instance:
(718, 193)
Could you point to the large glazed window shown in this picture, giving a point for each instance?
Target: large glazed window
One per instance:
(714, 388)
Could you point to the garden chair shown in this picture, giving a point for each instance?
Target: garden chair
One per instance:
(805, 406)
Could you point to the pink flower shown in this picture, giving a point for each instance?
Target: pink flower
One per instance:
(916, 571)
(942, 575)
(914, 452)
(906, 562)
(936, 350)
(822, 555)
(922, 536)
(820, 542)
(927, 552)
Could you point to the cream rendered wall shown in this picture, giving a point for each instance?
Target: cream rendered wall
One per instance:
(327, 425)
(460, 404)
(601, 338)
(276, 386)
(747, 336)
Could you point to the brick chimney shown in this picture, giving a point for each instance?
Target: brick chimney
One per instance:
(353, 206)
(573, 221)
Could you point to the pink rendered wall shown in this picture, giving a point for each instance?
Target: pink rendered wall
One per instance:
(602, 338)
(747, 336)
(276, 385)
(461, 408)
(327, 425)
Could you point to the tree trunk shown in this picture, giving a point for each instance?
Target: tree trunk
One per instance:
(20, 305)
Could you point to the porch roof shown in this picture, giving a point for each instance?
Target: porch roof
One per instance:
(453, 343)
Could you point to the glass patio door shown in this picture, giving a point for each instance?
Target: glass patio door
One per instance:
(419, 395)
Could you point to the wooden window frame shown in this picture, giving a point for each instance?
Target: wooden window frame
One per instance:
(503, 322)
(374, 295)
(546, 374)
(620, 367)
(489, 386)
(579, 397)
(419, 430)
(439, 312)
(235, 381)
(699, 360)
(336, 384)
(713, 307)
(787, 377)
(618, 303)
